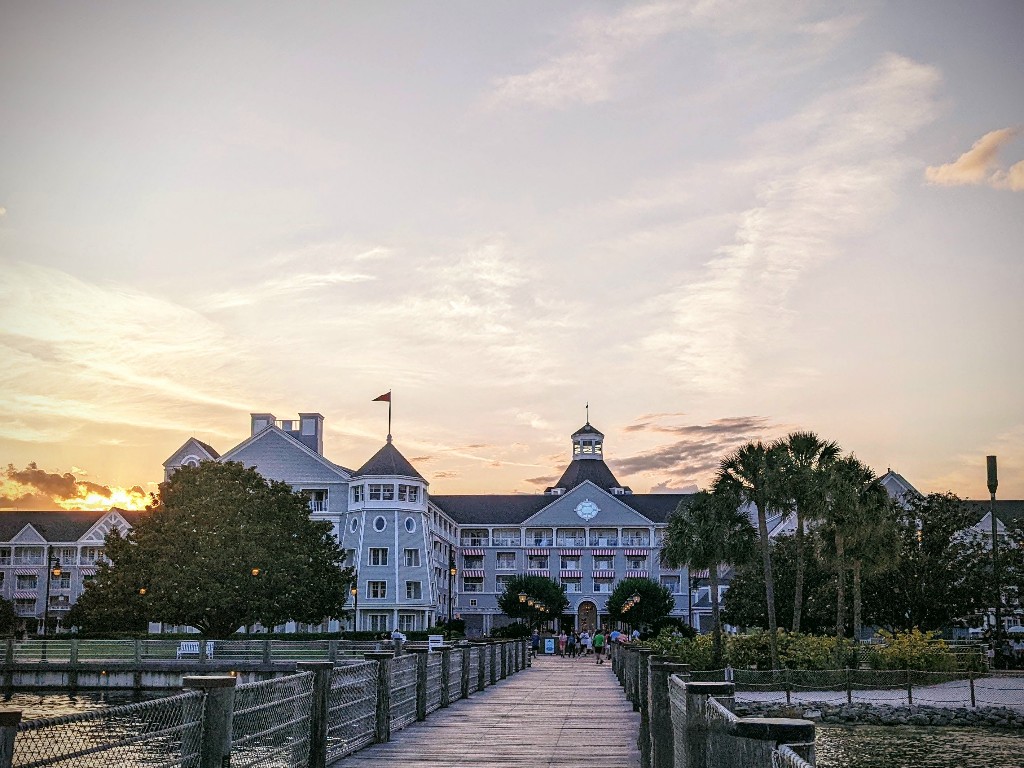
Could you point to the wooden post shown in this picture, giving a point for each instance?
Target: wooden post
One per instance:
(73, 671)
(910, 689)
(266, 652)
(332, 650)
(970, 677)
(318, 711)
(421, 682)
(138, 651)
(849, 687)
(446, 672)
(660, 709)
(9, 665)
(481, 677)
(9, 719)
(464, 669)
(215, 739)
(493, 650)
(383, 659)
(202, 650)
(789, 686)
(504, 659)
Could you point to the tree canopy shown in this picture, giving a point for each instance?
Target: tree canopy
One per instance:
(548, 591)
(222, 548)
(656, 602)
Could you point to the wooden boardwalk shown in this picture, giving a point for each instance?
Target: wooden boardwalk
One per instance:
(569, 713)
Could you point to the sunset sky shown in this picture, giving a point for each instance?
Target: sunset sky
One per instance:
(714, 221)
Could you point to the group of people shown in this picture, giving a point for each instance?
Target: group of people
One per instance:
(574, 644)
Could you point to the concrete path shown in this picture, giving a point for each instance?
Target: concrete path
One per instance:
(569, 713)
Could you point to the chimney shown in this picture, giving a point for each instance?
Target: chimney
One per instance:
(261, 421)
(311, 431)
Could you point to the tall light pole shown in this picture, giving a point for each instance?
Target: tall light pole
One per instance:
(993, 483)
(53, 570)
(354, 589)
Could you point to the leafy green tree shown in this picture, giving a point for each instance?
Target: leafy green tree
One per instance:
(654, 603)
(744, 604)
(535, 588)
(113, 609)
(225, 548)
(754, 473)
(942, 573)
(705, 532)
(805, 469)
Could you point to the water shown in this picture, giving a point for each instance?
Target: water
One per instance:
(868, 746)
(36, 705)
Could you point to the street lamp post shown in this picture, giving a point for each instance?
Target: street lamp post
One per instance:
(53, 570)
(354, 589)
(993, 483)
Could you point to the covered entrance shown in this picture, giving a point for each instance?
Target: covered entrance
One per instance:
(587, 616)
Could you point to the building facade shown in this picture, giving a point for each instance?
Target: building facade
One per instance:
(588, 531)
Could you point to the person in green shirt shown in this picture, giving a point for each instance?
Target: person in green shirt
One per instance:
(599, 646)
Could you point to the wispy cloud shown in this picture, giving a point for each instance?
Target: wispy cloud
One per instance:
(822, 175)
(278, 287)
(980, 165)
(589, 66)
(698, 451)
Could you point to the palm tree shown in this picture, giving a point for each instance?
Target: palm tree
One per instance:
(873, 540)
(752, 472)
(855, 500)
(806, 461)
(709, 531)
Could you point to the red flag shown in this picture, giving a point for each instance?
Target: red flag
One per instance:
(385, 398)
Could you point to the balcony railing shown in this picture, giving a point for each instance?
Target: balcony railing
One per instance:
(539, 541)
(28, 560)
(506, 541)
(318, 506)
(636, 541)
(572, 541)
(475, 541)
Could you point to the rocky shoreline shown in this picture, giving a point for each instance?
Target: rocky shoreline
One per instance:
(884, 714)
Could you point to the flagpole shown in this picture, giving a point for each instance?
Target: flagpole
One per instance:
(389, 415)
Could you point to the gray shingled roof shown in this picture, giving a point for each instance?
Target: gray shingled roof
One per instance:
(594, 470)
(63, 526)
(656, 507)
(208, 448)
(388, 461)
(1008, 512)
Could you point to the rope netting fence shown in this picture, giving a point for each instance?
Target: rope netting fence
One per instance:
(270, 727)
(434, 682)
(351, 708)
(164, 732)
(895, 687)
(403, 691)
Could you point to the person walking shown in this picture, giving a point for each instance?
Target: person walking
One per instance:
(570, 645)
(535, 643)
(599, 646)
(562, 639)
(585, 642)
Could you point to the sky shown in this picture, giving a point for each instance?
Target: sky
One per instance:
(712, 221)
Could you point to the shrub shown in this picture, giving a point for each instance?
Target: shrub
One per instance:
(695, 650)
(915, 649)
(796, 651)
(511, 631)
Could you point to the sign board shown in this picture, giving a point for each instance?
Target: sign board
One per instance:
(549, 645)
(433, 641)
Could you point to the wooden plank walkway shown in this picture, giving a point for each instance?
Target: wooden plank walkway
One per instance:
(569, 713)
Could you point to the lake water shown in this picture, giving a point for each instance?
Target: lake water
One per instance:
(866, 746)
(38, 705)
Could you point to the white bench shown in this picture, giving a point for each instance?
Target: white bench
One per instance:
(191, 648)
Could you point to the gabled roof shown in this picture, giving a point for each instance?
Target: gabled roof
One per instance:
(274, 429)
(587, 429)
(514, 509)
(594, 470)
(1008, 512)
(387, 462)
(208, 448)
(58, 526)
(211, 453)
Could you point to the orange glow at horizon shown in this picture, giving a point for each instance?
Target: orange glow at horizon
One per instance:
(122, 498)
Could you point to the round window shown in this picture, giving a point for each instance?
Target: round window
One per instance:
(410, 524)
(354, 525)
(379, 524)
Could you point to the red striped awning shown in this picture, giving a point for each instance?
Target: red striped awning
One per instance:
(572, 552)
(87, 571)
(27, 572)
(474, 574)
(604, 574)
(636, 553)
(536, 552)
(703, 574)
(636, 574)
(473, 552)
(25, 594)
(604, 553)
(539, 572)
(571, 574)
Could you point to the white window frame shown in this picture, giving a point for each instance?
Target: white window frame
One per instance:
(377, 556)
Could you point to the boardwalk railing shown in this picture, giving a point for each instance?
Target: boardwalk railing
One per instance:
(319, 714)
(686, 724)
